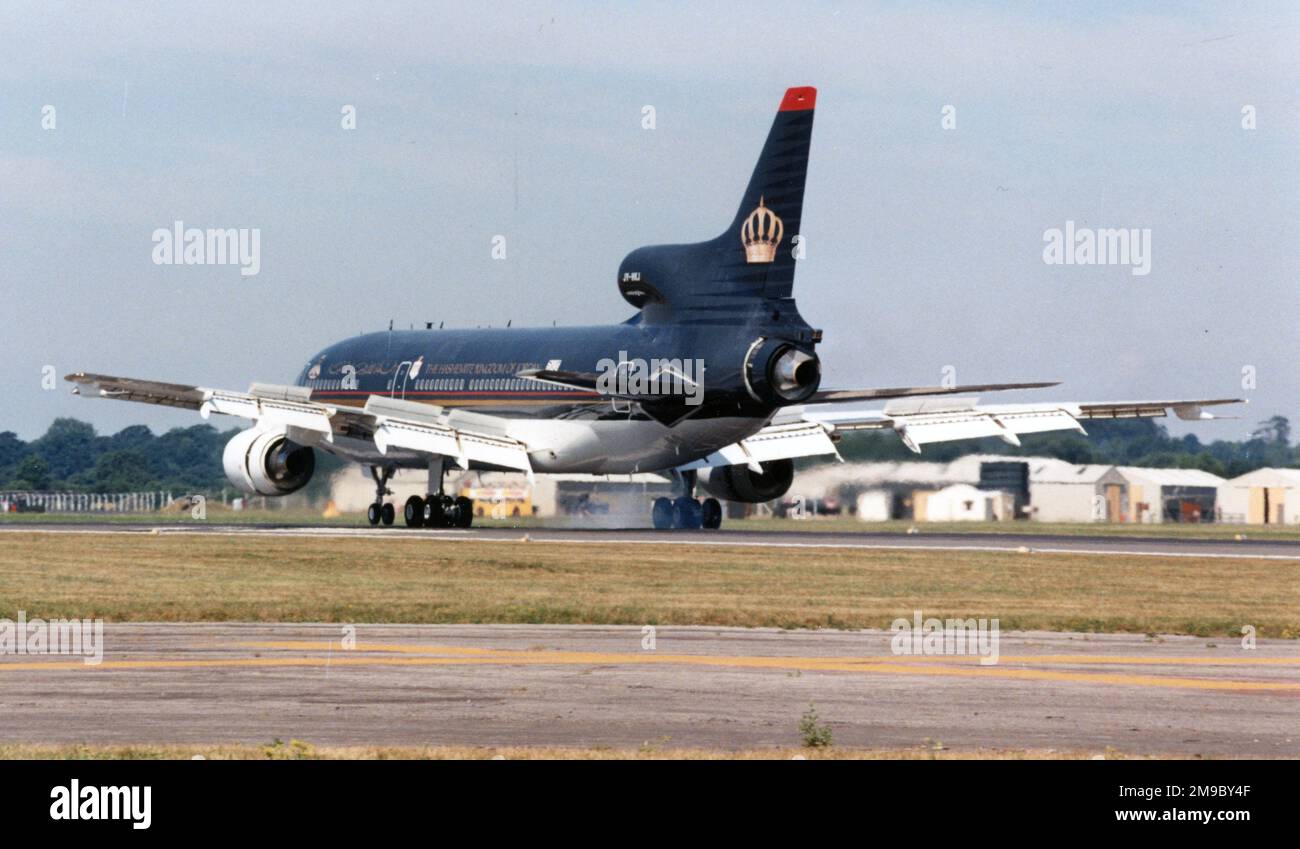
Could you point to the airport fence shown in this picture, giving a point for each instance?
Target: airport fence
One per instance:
(84, 502)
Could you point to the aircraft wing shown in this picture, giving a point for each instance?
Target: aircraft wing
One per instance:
(836, 396)
(944, 420)
(389, 422)
(810, 430)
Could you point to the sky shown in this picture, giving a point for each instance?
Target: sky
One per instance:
(924, 242)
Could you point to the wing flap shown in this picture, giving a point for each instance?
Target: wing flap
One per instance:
(463, 436)
(1185, 410)
(300, 414)
(1040, 421)
(774, 442)
(916, 431)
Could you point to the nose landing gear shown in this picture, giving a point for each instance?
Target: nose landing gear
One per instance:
(381, 511)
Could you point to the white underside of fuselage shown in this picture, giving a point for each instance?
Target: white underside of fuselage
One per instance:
(598, 447)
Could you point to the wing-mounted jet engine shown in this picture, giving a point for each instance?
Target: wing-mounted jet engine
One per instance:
(264, 461)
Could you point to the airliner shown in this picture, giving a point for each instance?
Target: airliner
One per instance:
(714, 382)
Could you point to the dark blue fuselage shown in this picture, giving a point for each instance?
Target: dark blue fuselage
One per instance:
(479, 368)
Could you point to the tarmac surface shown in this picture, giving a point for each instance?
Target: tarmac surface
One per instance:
(498, 685)
(1268, 549)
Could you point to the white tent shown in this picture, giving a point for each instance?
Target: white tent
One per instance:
(1263, 497)
(1064, 492)
(962, 502)
(1171, 495)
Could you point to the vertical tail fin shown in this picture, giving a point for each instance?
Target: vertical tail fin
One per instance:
(770, 211)
(755, 257)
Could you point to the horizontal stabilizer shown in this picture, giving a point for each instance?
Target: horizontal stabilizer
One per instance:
(585, 381)
(589, 382)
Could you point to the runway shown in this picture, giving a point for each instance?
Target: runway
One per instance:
(496, 685)
(936, 541)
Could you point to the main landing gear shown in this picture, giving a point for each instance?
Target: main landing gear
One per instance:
(436, 510)
(685, 511)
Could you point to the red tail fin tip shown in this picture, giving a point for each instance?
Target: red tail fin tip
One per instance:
(798, 99)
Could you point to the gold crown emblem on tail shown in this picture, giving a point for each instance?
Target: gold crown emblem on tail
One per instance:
(761, 233)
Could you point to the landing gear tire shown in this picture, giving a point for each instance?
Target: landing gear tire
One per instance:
(662, 513)
(711, 514)
(464, 512)
(433, 515)
(379, 511)
(687, 513)
(413, 512)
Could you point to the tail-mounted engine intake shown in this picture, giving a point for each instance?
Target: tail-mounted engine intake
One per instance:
(267, 462)
(781, 372)
(740, 483)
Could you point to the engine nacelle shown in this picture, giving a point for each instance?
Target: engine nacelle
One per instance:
(267, 462)
(781, 372)
(740, 483)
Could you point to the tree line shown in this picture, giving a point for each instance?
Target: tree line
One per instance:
(1118, 442)
(70, 456)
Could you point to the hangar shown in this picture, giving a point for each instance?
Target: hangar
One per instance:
(1063, 492)
(1264, 497)
(1171, 495)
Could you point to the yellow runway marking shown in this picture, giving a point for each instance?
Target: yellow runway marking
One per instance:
(963, 667)
(1061, 659)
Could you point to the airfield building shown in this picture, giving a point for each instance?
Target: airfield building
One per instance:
(1263, 497)
(1171, 495)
